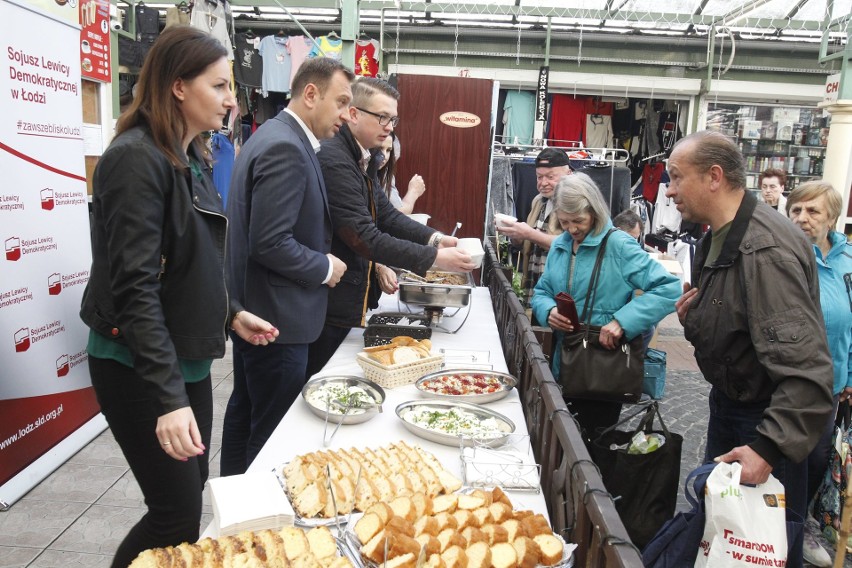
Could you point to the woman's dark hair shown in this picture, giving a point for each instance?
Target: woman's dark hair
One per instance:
(773, 172)
(181, 52)
(387, 170)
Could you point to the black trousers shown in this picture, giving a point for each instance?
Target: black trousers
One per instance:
(172, 488)
(593, 415)
(324, 347)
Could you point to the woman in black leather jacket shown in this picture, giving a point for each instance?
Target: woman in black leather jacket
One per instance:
(156, 302)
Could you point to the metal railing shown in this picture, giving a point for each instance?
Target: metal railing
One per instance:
(580, 508)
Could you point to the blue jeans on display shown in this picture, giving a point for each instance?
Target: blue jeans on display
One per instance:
(267, 380)
(733, 424)
(172, 488)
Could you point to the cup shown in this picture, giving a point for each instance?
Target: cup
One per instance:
(473, 247)
(503, 220)
(421, 218)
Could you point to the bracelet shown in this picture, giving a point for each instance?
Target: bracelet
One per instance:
(233, 319)
(435, 239)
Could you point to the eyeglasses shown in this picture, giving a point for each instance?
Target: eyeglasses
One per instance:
(384, 119)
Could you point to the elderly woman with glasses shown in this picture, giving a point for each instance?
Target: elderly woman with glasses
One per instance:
(626, 267)
(815, 207)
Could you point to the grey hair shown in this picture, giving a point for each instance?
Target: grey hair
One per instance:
(811, 190)
(577, 194)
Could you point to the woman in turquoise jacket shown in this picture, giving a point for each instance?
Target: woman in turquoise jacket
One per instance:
(626, 267)
(815, 207)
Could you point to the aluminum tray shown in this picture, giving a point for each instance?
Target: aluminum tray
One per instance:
(436, 295)
(355, 415)
(507, 383)
(505, 425)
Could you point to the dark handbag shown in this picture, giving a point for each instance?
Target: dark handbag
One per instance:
(589, 370)
(646, 484)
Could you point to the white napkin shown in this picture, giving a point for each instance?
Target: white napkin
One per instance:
(251, 501)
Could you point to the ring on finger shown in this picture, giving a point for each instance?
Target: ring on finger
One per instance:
(167, 444)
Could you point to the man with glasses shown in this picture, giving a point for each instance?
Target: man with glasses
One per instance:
(542, 226)
(367, 228)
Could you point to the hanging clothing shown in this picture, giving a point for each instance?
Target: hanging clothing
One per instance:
(614, 184)
(330, 46)
(524, 187)
(501, 196)
(594, 105)
(666, 216)
(276, 65)
(213, 19)
(651, 177)
(176, 16)
(298, 47)
(366, 57)
(567, 119)
(598, 131)
(518, 117)
(223, 164)
(132, 53)
(668, 130)
(651, 142)
(248, 63)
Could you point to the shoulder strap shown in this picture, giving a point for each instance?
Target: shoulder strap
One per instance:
(593, 280)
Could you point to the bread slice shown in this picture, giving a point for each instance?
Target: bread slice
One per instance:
(340, 562)
(503, 555)
(478, 555)
(404, 507)
(454, 557)
(430, 543)
(383, 510)
(190, 555)
(500, 512)
(231, 546)
(446, 520)
(442, 503)
(295, 542)
(474, 534)
(551, 548)
(471, 502)
(408, 560)
(433, 484)
(483, 515)
(374, 549)
(246, 560)
(528, 552)
(536, 525)
(311, 500)
(426, 525)
(368, 526)
(270, 545)
(415, 481)
(496, 533)
(405, 355)
(400, 525)
(366, 493)
(435, 561)
(422, 503)
(449, 481)
(307, 560)
(498, 496)
(451, 537)
(514, 529)
(486, 495)
(322, 543)
(465, 519)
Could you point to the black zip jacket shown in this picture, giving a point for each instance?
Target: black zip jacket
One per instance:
(366, 228)
(157, 283)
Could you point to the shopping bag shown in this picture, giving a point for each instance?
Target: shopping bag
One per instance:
(676, 544)
(590, 371)
(829, 497)
(745, 525)
(645, 484)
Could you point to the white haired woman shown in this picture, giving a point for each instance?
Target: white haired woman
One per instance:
(626, 267)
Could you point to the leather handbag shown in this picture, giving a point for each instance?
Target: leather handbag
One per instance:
(590, 371)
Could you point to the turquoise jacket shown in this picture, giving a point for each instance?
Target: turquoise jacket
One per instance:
(835, 298)
(625, 268)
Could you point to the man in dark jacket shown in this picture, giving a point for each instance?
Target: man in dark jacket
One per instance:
(367, 228)
(754, 319)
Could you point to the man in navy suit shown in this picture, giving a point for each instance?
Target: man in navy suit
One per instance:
(280, 265)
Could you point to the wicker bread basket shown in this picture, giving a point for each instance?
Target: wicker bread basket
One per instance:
(401, 374)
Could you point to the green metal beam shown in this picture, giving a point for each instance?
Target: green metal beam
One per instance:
(350, 27)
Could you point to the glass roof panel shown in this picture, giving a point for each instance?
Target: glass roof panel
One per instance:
(673, 6)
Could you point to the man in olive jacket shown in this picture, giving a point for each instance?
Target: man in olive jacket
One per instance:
(367, 228)
(754, 319)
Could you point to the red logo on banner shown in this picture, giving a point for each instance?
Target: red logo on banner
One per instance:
(13, 248)
(47, 201)
(54, 284)
(22, 340)
(62, 366)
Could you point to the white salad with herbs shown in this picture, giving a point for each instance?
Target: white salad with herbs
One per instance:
(455, 422)
(340, 398)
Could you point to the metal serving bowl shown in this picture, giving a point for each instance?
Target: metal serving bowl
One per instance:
(354, 415)
(507, 383)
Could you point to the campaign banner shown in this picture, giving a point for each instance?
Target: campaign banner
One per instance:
(45, 389)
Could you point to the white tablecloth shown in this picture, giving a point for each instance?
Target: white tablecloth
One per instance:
(300, 431)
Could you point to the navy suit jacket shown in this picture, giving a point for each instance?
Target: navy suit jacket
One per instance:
(280, 230)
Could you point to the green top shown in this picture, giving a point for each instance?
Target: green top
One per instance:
(717, 242)
(102, 347)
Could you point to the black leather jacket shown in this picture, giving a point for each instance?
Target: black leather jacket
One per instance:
(157, 283)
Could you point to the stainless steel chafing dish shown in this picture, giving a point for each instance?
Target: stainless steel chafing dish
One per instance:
(436, 294)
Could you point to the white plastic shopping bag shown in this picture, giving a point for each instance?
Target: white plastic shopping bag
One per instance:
(745, 525)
